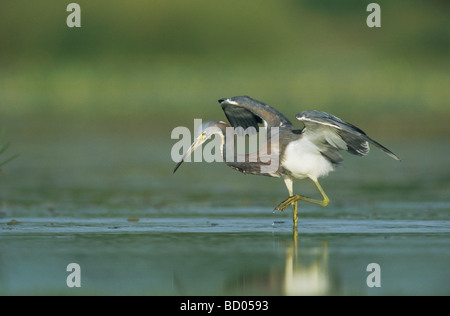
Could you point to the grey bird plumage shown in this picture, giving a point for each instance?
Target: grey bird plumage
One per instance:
(349, 137)
(310, 152)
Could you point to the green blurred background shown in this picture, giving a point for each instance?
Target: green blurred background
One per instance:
(149, 66)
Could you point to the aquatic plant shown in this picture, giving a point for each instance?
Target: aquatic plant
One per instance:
(3, 149)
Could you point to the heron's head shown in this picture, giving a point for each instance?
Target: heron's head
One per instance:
(203, 133)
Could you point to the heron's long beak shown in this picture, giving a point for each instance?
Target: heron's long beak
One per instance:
(198, 141)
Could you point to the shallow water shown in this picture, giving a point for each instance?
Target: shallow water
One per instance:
(115, 208)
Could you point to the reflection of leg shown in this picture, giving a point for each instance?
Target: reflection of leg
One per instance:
(293, 199)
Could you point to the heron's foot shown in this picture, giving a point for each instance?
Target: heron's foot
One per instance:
(293, 199)
(283, 205)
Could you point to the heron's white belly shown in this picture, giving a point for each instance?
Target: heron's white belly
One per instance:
(304, 160)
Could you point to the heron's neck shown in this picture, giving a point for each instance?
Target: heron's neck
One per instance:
(230, 157)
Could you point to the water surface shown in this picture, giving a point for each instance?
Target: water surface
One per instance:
(114, 207)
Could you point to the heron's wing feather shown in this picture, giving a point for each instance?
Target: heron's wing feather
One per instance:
(239, 116)
(331, 132)
(245, 112)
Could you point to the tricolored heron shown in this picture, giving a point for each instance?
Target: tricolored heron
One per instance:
(311, 152)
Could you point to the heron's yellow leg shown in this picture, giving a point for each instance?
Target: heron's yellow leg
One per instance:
(289, 183)
(295, 246)
(295, 213)
(293, 199)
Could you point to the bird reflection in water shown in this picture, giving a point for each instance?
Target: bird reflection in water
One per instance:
(304, 272)
(301, 278)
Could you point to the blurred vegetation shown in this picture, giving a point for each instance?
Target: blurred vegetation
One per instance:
(3, 148)
(154, 65)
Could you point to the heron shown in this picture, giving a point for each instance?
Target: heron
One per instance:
(308, 153)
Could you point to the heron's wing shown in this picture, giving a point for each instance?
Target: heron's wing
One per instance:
(246, 112)
(239, 116)
(331, 134)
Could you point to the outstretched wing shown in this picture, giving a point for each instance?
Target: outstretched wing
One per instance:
(246, 112)
(331, 134)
